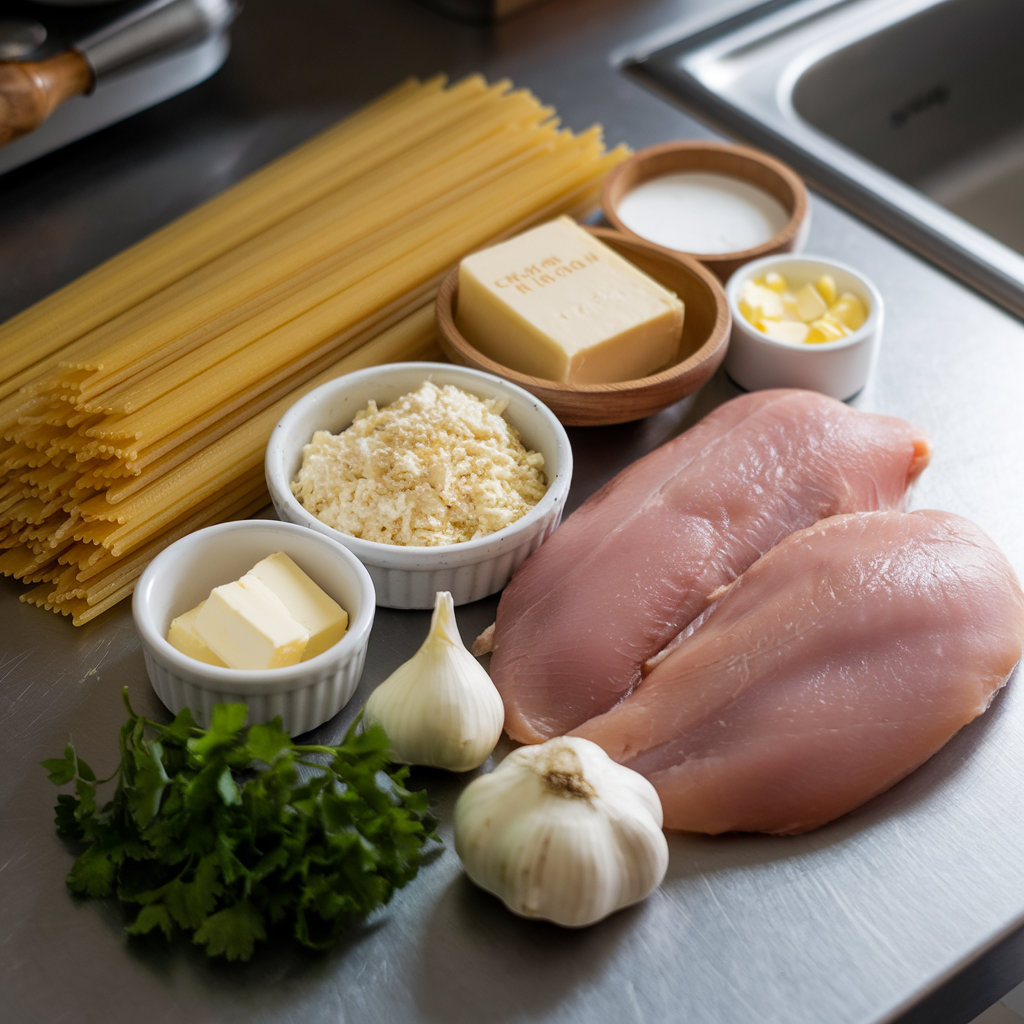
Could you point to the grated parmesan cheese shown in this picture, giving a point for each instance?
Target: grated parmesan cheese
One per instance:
(437, 466)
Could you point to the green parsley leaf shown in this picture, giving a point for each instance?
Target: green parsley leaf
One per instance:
(62, 769)
(65, 820)
(233, 931)
(150, 782)
(93, 873)
(215, 832)
(268, 742)
(149, 918)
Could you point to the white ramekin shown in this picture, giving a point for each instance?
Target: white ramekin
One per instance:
(304, 695)
(409, 577)
(836, 368)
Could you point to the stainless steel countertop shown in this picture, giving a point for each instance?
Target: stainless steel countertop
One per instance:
(856, 922)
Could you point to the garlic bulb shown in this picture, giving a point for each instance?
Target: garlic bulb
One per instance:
(561, 832)
(440, 708)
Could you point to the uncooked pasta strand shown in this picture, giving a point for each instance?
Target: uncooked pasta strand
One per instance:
(246, 492)
(240, 452)
(82, 615)
(236, 452)
(225, 221)
(137, 337)
(82, 611)
(154, 417)
(128, 538)
(389, 272)
(190, 440)
(251, 407)
(299, 291)
(246, 445)
(230, 219)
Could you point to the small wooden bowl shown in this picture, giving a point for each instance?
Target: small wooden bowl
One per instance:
(748, 165)
(706, 324)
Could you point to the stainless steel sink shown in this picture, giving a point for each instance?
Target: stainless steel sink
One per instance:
(911, 112)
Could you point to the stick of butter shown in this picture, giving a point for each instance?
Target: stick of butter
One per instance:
(183, 637)
(322, 616)
(248, 627)
(555, 302)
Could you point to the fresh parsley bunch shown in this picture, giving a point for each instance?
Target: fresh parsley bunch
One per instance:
(215, 832)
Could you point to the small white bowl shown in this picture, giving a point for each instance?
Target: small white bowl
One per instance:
(836, 368)
(410, 577)
(304, 695)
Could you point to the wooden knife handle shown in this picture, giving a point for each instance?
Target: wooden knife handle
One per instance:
(29, 91)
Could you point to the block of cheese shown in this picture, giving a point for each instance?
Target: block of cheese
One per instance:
(322, 616)
(248, 627)
(183, 637)
(555, 302)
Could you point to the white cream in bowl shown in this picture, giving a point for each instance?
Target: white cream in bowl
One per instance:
(699, 212)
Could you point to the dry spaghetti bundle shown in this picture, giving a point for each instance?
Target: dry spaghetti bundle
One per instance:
(136, 402)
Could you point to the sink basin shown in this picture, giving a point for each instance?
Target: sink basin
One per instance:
(907, 111)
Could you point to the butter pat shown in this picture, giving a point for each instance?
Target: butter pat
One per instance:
(826, 286)
(792, 331)
(809, 303)
(849, 311)
(556, 303)
(758, 302)
(324, 619)
(249, 628)
(182, 636)
(812, 315)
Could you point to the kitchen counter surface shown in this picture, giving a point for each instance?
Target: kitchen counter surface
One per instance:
(907, 909)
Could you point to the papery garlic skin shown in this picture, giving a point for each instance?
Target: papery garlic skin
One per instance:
(440, 708)
(559, 831)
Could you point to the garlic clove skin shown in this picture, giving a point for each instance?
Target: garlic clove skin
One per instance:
(440, 708)
(562, 832)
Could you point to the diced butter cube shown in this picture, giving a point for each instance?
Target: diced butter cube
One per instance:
(789, 307)
(759, 303)
(826, 285)
(182, 636)
(849, 311)
(248, 627)
(775, 281)
(810, 304)
(556, 303)
(322, 616)
(825, 329)
(792, 331)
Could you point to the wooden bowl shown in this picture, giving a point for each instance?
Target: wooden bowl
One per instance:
(706, 324)
(748, 165)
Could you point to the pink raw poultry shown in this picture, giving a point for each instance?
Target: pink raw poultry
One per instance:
(840, 661)
(637, 562)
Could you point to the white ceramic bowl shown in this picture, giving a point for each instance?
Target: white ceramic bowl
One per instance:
(304, 695)
(409, 577)
(837, 368)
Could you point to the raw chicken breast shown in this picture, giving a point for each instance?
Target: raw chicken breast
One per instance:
(841, 660)
(635, 564)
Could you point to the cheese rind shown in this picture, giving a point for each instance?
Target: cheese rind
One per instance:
(556, 303)
(249, 628)
(322, 616)
(182, 636)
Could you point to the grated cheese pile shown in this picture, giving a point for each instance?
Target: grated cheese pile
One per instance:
(437, 466)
